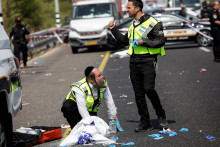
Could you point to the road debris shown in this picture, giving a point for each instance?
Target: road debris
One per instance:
(130, 103)
(128, 144)
(65, 126)
(154, 135)
(210, 138)
(203, 70)
(120, 54)
(123, 95)
(38, 62)
(184, 130)
(48, 74)
(157, 138)
(23, 71)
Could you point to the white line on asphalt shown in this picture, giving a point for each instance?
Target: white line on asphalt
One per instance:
(205, 49)
(25, 104)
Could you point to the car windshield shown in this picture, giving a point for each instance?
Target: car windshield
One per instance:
(92, 11)
(170, 19)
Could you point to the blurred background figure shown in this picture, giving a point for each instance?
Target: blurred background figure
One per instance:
(183, 10)
(206, 8)
(214, 19)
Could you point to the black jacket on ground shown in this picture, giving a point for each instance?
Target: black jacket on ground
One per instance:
(155, 39)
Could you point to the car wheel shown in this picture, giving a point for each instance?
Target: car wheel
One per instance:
(202, 40)
(74, 50)
(5, 130)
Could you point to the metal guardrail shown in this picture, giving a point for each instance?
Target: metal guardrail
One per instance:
(44, 43)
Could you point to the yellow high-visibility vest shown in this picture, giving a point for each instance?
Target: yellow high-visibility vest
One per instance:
(84, 87)
(142, 31)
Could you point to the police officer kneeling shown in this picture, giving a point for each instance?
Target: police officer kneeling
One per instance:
(85, 97)
(214, 19)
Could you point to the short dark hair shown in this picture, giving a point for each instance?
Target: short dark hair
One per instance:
(137, 3)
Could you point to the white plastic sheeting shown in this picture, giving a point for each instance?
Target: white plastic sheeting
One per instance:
(93, 125)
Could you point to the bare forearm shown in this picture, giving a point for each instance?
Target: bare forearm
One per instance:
(217, 22)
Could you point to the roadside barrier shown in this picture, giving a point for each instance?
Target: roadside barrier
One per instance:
(48, 36)
(46, 39)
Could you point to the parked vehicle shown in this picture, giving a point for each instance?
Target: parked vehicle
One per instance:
(10, 89)
(89, 23)
(177, 30)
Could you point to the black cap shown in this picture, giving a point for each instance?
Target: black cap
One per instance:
(88, 70)
(18, 19)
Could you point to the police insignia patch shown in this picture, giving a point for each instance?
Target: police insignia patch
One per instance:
(214, 16)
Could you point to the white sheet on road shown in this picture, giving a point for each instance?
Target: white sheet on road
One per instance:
(120, 54)
(99, 131)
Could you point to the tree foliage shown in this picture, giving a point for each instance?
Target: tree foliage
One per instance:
(36, 14)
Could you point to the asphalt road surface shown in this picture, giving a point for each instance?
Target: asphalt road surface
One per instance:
(189, 97)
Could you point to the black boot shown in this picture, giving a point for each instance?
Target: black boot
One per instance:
(142, 127)
(25, 64)
(162, 122)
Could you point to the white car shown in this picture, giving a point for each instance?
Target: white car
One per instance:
(10, 89)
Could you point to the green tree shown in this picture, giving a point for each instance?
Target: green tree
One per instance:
(36, 14)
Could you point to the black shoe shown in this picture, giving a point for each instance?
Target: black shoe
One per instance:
(143, 127)
(25, 65)
(162, 122)
(217, 59)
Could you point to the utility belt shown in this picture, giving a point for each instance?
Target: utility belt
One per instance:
(21, 41)
(142, 58)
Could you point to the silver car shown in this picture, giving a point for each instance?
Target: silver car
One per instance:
(10, 89)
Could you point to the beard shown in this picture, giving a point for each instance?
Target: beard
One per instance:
(101, 83)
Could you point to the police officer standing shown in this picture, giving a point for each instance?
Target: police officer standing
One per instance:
(214, 19)
(20, 41)
(146, 40)
(206, 8)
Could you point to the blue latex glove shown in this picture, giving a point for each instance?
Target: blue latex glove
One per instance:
(114, 138)
(209, 137)
(157, 138)
(119, 126)
(135, 42)
(154, 135)
(164, 132)
(128, 144)
(183, 129)
(112, 145)
(171, 134)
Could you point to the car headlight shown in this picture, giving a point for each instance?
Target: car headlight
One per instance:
(199, 26)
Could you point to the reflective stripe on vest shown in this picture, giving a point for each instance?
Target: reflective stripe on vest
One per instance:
(84, 87)
(142, 31)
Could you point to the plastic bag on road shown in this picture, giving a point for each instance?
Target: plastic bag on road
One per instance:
(93, 125)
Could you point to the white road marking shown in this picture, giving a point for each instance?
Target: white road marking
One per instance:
(205, 49)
